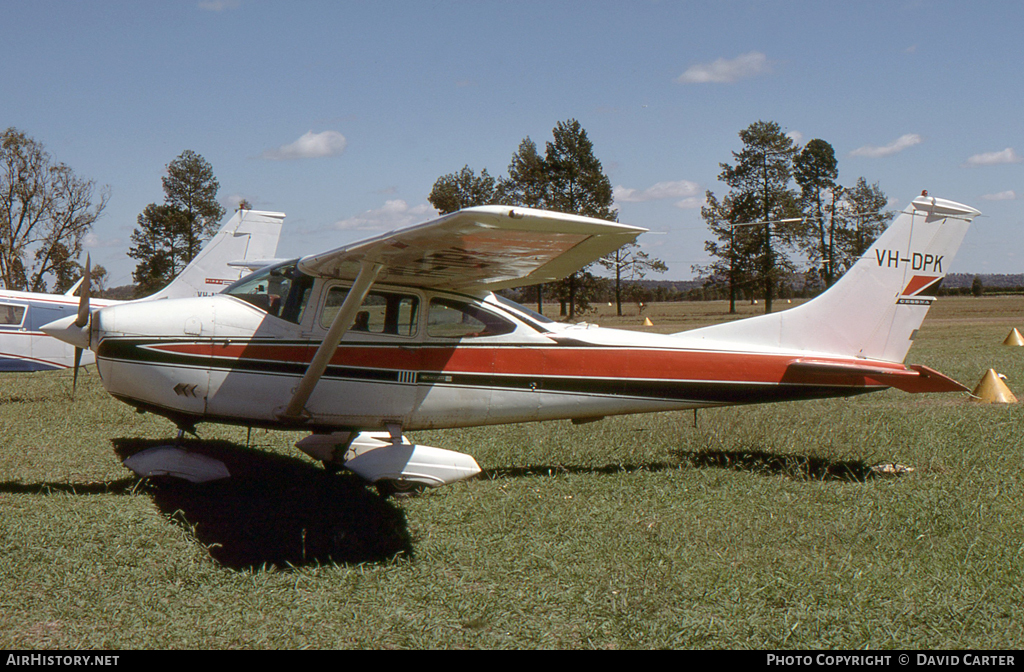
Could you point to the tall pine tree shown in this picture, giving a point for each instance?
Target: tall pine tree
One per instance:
(816, 170)
(567, 178)
(170, 235)
(759, 192)
(576, 184)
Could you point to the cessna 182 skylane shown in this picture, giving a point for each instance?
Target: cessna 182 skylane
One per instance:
(246, 241)
(402, 332)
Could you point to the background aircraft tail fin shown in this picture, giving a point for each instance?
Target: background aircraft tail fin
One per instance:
(875, 309)
(248, 235)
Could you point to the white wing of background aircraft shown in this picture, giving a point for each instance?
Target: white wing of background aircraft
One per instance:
(250, 237)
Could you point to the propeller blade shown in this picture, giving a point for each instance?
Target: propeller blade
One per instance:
(83, 302)
(83, 316)
(74, 380)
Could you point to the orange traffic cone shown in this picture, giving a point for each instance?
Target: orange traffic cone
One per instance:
(647, 322)
(1014, 338)
(992, 390)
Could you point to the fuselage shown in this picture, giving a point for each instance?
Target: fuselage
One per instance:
(420, 359)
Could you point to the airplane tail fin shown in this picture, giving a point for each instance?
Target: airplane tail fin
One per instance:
(249, 235)
(875, 309)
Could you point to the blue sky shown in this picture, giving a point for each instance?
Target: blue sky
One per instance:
(343, 114)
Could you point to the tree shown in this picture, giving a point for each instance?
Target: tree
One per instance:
(98, 275)
(815, 170)
(630, 264)
(759, 188)
(575, 183)
(860, 218)
(735, 246)
(45, 213)
(568, 178)
(464, 189)
(170, 235)
(160, 230)
(190, 186)
(527, 181)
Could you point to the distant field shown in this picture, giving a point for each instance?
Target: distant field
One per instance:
(760, 527)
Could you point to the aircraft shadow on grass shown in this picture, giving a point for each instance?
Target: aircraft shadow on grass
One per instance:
(804, 467)
(287, 512)
(278, 511)
(542, 470)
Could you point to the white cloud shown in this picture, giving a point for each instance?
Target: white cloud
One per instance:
(679, 189)
(1001, 196)
(726, 71)
(691, 203)
(796, 136)
(394, 214)
(994, 158)
(309, 146)
(94, 242)
(894, 147)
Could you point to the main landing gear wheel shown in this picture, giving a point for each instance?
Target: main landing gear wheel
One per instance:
(332, 467)
(398, 489)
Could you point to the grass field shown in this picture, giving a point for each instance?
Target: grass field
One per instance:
(760, 527)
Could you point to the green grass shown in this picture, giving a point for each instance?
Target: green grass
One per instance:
(761, 527)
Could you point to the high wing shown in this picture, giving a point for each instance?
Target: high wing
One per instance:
(482, 248)
(488, 247)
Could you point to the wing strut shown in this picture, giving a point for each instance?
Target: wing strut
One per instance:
(368, 271)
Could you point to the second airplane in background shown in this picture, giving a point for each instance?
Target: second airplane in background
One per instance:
(246, 242)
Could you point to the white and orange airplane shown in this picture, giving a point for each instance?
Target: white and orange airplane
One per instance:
(403, 332)
(246, 241)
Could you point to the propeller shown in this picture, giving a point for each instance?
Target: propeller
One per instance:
(82, 319)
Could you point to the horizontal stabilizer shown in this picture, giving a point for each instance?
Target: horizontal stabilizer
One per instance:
(914, 378)
(256, 264)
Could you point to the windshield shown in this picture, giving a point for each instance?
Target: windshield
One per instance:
(509, 303)
(281, 290)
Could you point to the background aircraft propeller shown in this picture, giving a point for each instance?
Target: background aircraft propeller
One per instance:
(83, 316)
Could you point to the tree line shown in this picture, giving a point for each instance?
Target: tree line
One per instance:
(567, 178)
(783, 202)
(764, 220)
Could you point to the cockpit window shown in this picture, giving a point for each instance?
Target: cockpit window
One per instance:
(449, 318)
(281, 291)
